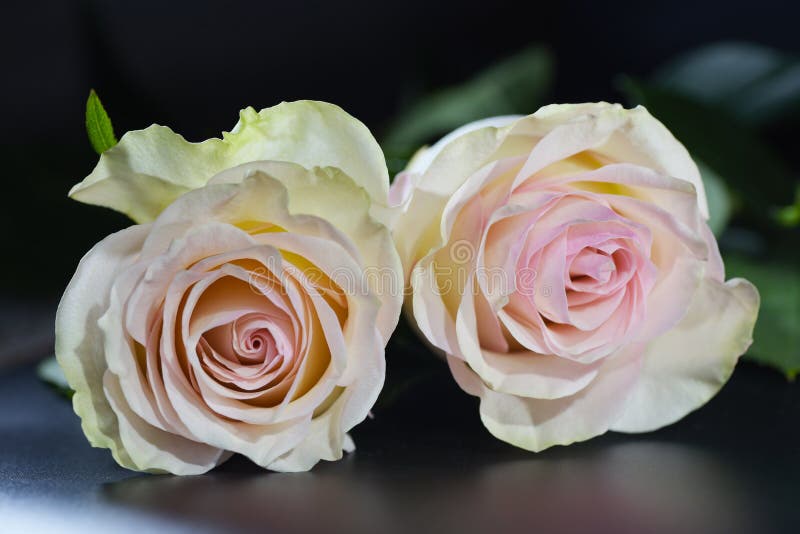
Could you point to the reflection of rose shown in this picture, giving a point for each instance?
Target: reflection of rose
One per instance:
(613, 487)
(224, 325)
(595, 297)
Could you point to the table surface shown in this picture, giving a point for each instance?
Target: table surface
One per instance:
(425, 463)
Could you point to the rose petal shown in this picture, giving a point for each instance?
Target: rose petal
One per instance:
(685, 367)
(79, 341)
(150, 168)
(537, 424)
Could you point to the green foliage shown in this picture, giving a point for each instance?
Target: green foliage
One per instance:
(718, 100)
(789, 216)
(50, 372)
(719, 198)
(755, 84)
(514, 85)
(776, 341)
(98, 125)
(730, 148)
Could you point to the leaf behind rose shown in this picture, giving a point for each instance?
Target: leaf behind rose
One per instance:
(776, 340)
(729, 147)
(514, 85)
(719, 198)
(754, 83)
(51, 373)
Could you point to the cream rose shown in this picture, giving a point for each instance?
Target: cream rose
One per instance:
(245, 313)
(563, 263)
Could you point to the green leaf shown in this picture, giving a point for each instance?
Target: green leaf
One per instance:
(514, 85)
(748, 165)
(50, 372)
(776, 340)
(756, 84)
(789, 216)
(98, 125)
(719, 201)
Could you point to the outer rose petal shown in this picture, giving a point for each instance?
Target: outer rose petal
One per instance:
(80, 352)
(537, 424)
(424, 157)
(625, 135)
(327, 438)
(79, 341)
(541, 376)
(150, 168)
(154, 450)
(685, 367)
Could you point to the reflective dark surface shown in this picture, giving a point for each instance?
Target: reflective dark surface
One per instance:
(425, 464)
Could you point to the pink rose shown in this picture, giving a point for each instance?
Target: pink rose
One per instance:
(563, 263)
(248, 316)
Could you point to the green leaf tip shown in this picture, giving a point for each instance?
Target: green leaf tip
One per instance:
(51, 374)
(98, 125)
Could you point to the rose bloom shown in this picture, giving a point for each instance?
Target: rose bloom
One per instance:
(245, 312)
(563, 263)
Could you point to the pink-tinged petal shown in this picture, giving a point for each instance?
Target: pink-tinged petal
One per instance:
(580, 133)
(154, 450)
(519, 373)
(402, 189)
(623, 180)
(438, 280)
(364, 353)
(525, 327)
(589, 346)
(648, 143)
(262, 443)
(614, 134)
(686, 366)
(197, 244)
(670, 237)
(549, 296)
(79, 341)
(537, 424)
(493, 182)
(310, 376)
(591, 316)
(504, 253)
(123, 359)
(431, 316)
(606, 212)
(670, 297)
(588, 269)
(490, 332)
(309, 203)
(417, 232)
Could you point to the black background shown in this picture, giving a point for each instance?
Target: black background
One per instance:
(425, 461)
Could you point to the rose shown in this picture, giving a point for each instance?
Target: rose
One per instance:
(248, 316)
(563, 264)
